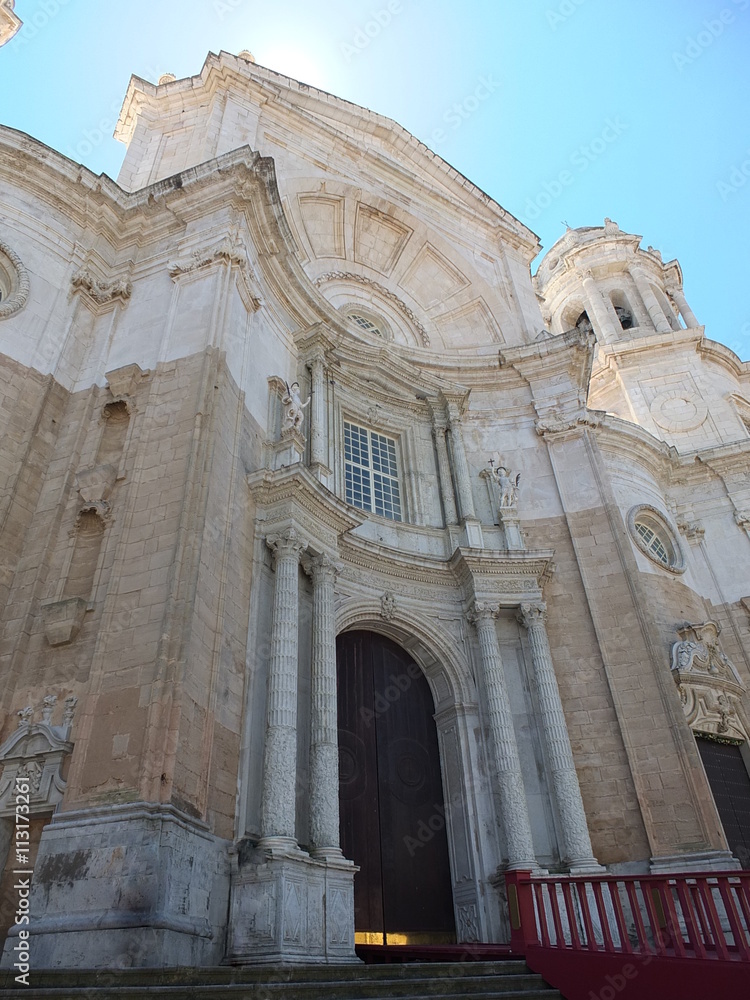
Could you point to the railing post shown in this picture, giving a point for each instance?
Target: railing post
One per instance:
(523, 926)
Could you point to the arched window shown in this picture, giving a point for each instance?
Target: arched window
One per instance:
(654, 536)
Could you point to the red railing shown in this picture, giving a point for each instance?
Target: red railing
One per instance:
(690, 925)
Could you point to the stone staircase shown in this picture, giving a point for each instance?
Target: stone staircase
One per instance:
(412, 981)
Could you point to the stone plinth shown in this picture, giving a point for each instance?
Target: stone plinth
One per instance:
(137, 885)
(291, 909)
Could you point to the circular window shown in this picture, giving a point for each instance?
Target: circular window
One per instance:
(14, 282)
(654, 536)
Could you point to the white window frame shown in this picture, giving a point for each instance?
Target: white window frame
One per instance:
(370, 479)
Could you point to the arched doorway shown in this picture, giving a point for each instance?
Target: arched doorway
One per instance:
(391, 796)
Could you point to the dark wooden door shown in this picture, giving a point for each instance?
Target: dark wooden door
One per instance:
(390, 790)
(727, 775)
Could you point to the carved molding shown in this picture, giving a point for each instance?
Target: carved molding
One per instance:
(20, 284)
(362, 280)
(101, 292)
(709, 684)
(228, 251)
(33, 757)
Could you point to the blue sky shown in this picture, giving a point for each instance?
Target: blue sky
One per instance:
(564, 111)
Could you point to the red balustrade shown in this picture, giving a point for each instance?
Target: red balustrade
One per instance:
(603, 936)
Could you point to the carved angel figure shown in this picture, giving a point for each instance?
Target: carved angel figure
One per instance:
(293, 407)
(508, 485)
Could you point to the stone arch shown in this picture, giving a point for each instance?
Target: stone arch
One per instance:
(431, 648)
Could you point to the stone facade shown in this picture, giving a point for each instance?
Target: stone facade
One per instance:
(185, 353)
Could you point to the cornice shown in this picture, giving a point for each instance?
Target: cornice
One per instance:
(279, 493)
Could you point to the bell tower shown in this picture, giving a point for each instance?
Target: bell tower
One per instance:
(600, 276)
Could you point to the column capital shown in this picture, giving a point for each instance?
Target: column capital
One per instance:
(532, 614)
(321, 568)
(480, 611)
(286, 543)
(439, 422)
(316, 361)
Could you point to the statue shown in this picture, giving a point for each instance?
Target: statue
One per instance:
(293, 415)
(508, 485)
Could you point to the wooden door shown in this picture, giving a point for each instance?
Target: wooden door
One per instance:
(391, 797)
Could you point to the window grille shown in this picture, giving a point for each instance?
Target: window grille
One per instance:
(371, 472)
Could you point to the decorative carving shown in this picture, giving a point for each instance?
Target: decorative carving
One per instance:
(557, 423)
(34, 754)
(699, 649)
(709, 684)
(293, 409)
(386, 292)
(70, 710)
(692, 530)
(48, 707)
(25, 716)
(467, 923)
(101, 292)
(507, 483)
(19, 276)
(611, 228)
(387, 606)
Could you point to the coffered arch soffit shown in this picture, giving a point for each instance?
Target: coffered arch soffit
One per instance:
(359, 248)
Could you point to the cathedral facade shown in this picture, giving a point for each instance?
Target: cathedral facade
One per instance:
(346, 566)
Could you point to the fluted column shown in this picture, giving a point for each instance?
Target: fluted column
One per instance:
(318, 437)
(440, 425)
(598, 307)
(324, 762)
(685, 311)
(577, 850)
(655, 311)
(280, 757)
(505, 760)
(463, 479)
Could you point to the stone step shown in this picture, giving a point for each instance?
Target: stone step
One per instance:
(415, 981)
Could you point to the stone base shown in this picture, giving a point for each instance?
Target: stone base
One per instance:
(289, 909)
(127, 886)
(696, 861)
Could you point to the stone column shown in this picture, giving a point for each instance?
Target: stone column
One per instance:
(598, 307)
(318, 436)
(575, 833)
(280, 758)
(685, 311)
(440, 425)
(324, 751)
(655, 311)
(505, 761)
(463, 479)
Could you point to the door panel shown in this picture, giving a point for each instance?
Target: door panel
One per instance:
(392, 811)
